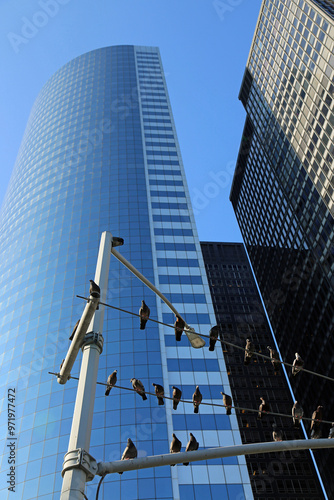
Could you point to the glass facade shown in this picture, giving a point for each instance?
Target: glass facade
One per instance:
(100, 152)
(282, 190)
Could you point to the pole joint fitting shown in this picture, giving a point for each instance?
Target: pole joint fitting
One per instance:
(93, 338)
(80, 459)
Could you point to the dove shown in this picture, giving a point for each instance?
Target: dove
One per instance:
(179, 327)
(316, 423)
(94, 289)
(144, 313)
(192, 445)
(138, 386)
(263, 408)
(74, 330)
(297, 364)
(331, 432)
(111, 381)
(227, 400)
(249, 351)
(197, 399)
(159, 392)
(177, 393)
(214, 334)
(274, 357)
(175, 446)
(297, 414)
(129, 452)
(277, 433)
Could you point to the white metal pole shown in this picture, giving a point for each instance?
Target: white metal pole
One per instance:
(78, 465)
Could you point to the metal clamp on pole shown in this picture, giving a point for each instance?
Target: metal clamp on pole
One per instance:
(80, 459)
(93, 338)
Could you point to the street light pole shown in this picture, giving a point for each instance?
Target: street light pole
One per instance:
(79, 467)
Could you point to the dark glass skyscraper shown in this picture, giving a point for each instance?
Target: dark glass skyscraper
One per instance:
(240, 316)
(100, 152)
(283, 190)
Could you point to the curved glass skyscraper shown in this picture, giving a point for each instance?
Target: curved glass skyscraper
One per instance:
(100, 153)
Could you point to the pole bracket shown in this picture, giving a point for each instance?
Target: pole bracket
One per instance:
(93, 338)
(80, 459)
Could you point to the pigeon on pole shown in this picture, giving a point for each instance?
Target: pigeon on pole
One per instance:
(297, 364)
(159, 392)
(214, 334)
(297, 414)
(316, 423)
(263, 408)
(197, 399)
(331, 432)
(177, 394)
(111, 381)
(138, 387)
(94, 291)
(227, 400)
(144, 313)
(130, 452)
(249, 351)
(74, 330)
(175, 446)
(192, 445)
(179, 327)
(277, 433)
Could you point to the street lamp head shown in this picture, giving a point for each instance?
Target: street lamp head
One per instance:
(195, 340)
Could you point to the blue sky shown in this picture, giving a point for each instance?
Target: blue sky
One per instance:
(204, 47)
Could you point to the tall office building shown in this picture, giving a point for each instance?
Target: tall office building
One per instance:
(100, 152)
(241, 316)
(283, 190)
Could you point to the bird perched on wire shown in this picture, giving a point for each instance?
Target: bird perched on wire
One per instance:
(111, 381)
(179, 327)
(277, 433)
(175, 446)
(177, 394)
(331, 432)
(94, 289)
(227, 400)
(249, 351)
(192, 445)
(214, 335)
(138, 387)
(74, 330)
(297, 364)
(263, 408)
(297, 414)
(130, 452)
(275, 361)
(197, 399)
(316, 423)
(144, 313)
(159, 392)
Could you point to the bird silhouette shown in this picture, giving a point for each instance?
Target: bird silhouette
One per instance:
(277, 433)
(214, 334)
(297, 364)
(297, 414)
(179, 327)
(138, 387)
(316, 423)
(249, 351)
(129, 452)
(175, 446)
(275, 361)
(227, 400)
(159, 392)
(144, 313)
(177, 394)
(111, 381)
(94, 289)
(263, 408)
(197, 399)
(192, 445)
(74, 330)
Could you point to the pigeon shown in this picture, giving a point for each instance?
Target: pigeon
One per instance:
(297, 364)
(94, 289)
(227, 400)
(197, 399)
(144, 313)
(159, 392)
(175, 446)
(138, 386)
(316, 423)
(111, 381)
(297, 414)
(277, 433)
(192, 445)
(179, 327)
(177, 393)
(74, 330)
(263, 408)
(275, 361)
(249, 351)
(129, 452)
(214, 334)
(331, 432)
